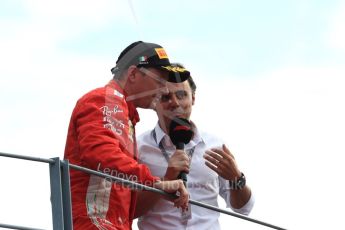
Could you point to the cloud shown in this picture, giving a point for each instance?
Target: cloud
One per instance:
(84, 12)
(270, 119)
(337, 28)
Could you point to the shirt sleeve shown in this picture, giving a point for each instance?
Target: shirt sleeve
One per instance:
(103, 129)
(224, 192)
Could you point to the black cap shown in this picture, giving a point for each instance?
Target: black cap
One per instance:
(144, 54)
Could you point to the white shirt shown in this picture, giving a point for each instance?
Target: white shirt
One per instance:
(203, 184)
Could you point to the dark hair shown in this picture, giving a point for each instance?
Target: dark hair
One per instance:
(125, 51)
(190, 79)
(192, 84)
(120, 67)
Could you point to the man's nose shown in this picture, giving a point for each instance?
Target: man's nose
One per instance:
(173, 100)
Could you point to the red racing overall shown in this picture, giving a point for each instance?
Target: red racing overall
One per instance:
(101, 136)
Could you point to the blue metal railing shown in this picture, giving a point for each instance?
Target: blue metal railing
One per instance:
(61, 193)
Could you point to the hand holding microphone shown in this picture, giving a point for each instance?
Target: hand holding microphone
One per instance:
(178, 162)
(180, 132)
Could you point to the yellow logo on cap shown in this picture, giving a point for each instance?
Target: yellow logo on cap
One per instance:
(175, 69)
(161, 53)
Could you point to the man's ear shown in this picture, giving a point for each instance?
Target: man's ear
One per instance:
(131, 73)
(193, 98)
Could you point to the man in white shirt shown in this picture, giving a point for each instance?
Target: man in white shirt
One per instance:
(211, 168)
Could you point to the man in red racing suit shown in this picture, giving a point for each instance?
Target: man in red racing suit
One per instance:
(101, 136)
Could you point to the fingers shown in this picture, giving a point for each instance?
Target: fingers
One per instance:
(214, 164)
(179, 158)
(214, 160)
(222, 162)
(175, 186)
(182, 200)
(219, 156)
(180, 154)
(226, 150)
(211, 166)
(213, 157)
(179, 162)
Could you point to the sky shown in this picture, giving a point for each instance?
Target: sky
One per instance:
(270, 77)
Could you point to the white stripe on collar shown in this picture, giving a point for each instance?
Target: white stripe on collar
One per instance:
(117, 93)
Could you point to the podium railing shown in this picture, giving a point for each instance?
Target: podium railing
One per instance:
(61, 193)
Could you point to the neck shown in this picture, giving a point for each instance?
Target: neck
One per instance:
(164, 126)
(121, 83)
(126, 87)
